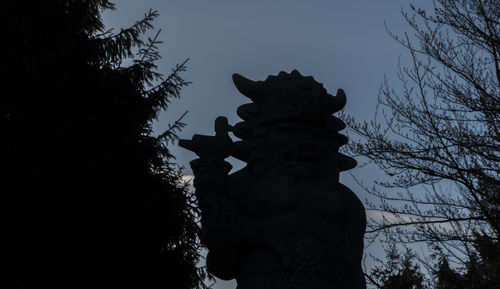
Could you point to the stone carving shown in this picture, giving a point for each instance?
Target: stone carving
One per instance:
(284, 220)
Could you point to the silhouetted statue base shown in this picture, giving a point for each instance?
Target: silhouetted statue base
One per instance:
(284, 220)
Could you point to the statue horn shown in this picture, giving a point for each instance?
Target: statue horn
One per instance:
(337, 102)
(247, 87)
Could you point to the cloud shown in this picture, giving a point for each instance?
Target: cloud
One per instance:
(188, 179)
(377, 216)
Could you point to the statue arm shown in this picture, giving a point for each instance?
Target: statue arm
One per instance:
(228, 230)
(228, 235)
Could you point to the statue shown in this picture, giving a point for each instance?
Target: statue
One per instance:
(284, 220)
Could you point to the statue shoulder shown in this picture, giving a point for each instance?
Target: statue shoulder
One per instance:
(355, 206)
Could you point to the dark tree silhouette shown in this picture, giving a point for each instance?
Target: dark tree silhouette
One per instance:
(438, 136)
(398, 271)
(481, 269)
(89, 197)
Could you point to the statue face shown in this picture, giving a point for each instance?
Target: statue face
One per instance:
(297, 149)
(289, 127)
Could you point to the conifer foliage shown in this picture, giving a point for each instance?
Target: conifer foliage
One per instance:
(399, 271)
(89, 197)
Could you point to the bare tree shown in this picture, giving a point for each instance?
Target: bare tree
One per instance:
(438, 135)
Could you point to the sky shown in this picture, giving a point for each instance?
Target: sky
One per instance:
(341, 43)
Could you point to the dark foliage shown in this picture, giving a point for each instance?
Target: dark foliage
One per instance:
(399, 271)
(481, 270)
(89, 197)
(404, 271)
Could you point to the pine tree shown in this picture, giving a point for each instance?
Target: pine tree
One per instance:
(90, 197)
(446, 277)
(398, 271)
(481, 270)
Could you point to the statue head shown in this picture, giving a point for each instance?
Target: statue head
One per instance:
(289, 126)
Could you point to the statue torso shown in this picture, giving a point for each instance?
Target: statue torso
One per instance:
(265, 196)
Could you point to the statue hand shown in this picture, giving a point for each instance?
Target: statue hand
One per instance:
(217, 147)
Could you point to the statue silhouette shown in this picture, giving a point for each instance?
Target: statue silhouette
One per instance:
(284, 220)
